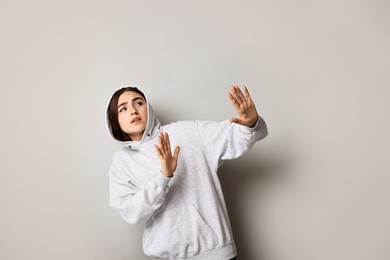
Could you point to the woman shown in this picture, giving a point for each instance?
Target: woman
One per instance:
(177, 196)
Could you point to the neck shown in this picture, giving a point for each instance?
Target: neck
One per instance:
(136, 137)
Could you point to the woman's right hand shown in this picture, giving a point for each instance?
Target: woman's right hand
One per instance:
(164, 153)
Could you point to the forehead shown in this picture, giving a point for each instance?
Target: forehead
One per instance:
(128, 96)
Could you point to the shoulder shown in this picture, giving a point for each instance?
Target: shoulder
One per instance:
(197, 126)
(181, 126)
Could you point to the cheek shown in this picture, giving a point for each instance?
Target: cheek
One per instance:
(121, 119)
(144, 112)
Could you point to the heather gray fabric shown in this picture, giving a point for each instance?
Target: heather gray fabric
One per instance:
(184, 216)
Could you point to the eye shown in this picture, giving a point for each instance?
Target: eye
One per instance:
(139, 103)
(122, 109)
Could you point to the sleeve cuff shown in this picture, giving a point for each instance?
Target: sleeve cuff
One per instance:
(249, 130)
(162, 181)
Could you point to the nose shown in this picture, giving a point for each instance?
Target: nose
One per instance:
(133, 111)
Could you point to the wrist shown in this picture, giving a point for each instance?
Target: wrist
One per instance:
(254, 124)
(167, 175)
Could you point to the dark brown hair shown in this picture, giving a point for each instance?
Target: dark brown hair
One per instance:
(112, 114)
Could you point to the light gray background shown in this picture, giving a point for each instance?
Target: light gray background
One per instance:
(316, 188)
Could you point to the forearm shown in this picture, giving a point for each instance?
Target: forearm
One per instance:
(139, 206)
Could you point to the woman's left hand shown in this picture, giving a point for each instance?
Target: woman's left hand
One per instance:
(244, 106)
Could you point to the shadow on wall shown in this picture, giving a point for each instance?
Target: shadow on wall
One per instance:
(236, 176)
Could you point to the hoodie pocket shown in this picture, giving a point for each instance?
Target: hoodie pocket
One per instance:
(178, 232)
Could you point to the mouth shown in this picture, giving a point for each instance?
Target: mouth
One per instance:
(135, 120)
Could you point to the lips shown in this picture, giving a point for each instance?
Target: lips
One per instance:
(135, 120)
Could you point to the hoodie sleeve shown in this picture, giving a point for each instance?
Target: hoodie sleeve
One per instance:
(225, 140)
(135, 204)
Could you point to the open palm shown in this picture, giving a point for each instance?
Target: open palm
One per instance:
(246, 109)
(164, 153)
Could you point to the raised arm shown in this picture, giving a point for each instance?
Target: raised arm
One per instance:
(230, 139)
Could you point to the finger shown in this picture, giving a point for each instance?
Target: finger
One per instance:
(240, 95)
(234, 102)
(163, 140)
(159, 154)
(175, 157)
(160, 140)
(167, 144)
(161, 144)
(247, 95)
(234, 93)
(234, 120)
(176, 153)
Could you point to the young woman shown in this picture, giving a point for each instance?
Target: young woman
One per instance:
(177, 195)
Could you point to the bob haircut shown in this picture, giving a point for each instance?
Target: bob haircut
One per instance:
(112, 114)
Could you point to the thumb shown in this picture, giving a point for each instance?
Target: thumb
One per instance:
(235, 120)
(176, 152)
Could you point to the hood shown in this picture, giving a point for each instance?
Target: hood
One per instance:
(151, 130)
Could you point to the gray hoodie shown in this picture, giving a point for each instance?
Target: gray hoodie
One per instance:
(185, 216)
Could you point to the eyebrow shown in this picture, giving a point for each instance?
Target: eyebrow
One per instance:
(124, 103)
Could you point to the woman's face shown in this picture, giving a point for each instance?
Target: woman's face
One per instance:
(132, 114)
